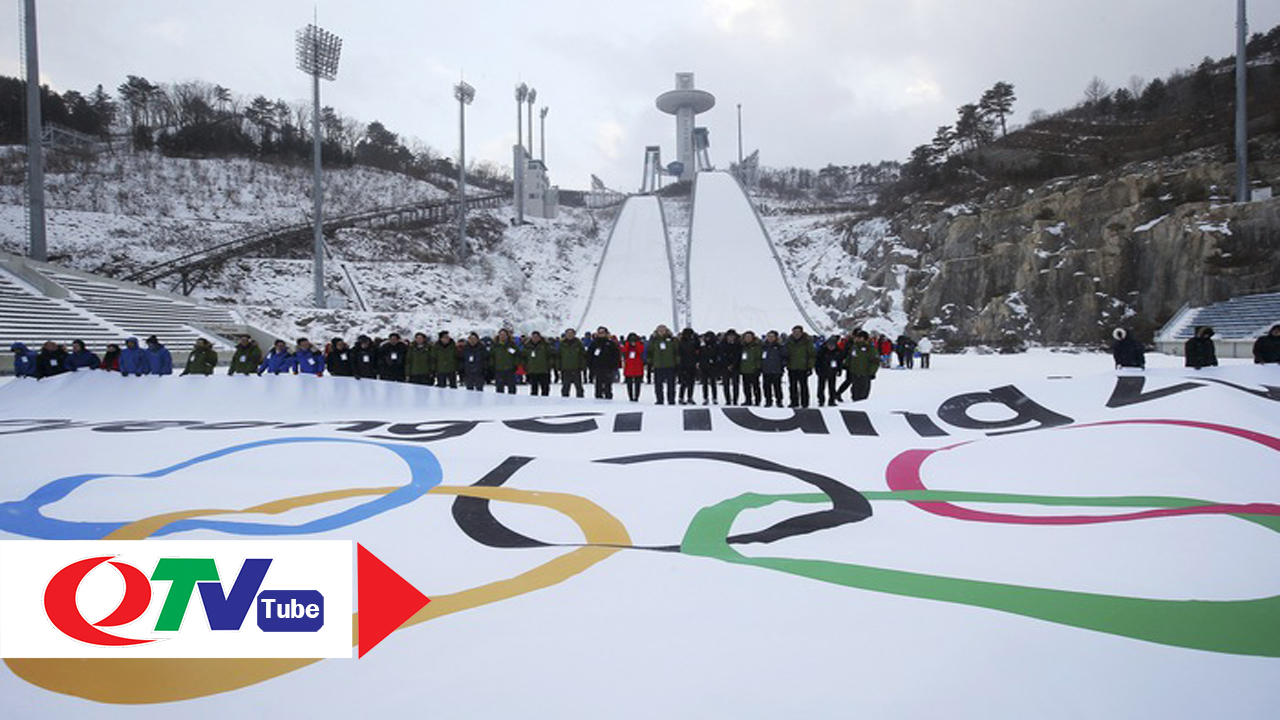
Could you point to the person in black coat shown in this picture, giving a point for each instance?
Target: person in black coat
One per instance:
(475, 360)
(392, 357)
(52, 360)
(364, 359)
(1266, 349)
(709, 367)
(603, 358)
(906, 349)
(773, 362)
(1127, 352)
(338, 358)
(1199, 349)
(828, 362)
(687, 371)
(731, 366)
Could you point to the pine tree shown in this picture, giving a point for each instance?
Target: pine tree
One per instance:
(943, 140)
(998, 102)
(972, 128)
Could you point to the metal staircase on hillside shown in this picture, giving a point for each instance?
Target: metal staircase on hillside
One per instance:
(193, 267)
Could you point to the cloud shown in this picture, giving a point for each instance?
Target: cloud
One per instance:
(169, 29)
(764, 19)
(611, 135)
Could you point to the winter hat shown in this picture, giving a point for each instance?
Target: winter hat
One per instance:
(153, 340)
(1119, 333)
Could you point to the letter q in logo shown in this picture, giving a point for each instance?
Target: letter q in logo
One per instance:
(60, 603)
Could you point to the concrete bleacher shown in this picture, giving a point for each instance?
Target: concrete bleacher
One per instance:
(177, 324)
(41, 302)
(29, 317)
(1236, 324)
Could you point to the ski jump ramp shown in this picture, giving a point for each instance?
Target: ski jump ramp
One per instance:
(633, 289)
(735, 276)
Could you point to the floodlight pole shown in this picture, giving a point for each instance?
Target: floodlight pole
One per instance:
(739, 137)
(318, 53)
(38, 249)
(317, 193)
(518, 161)
(1242, 118)
(533, 96)
(465, 94)
(542, 134)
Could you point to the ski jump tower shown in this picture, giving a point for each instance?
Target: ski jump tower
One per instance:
(685, 103)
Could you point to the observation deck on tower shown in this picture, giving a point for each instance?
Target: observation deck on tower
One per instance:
(685, 102)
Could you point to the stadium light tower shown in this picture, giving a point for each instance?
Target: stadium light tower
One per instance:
(542, 134)
(517, 169)
(533, 96)
(465, 94)
(35, 151)
(318, 51)
(1242, 117)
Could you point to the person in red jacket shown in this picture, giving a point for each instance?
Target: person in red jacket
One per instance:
(885, 347)
(633, 366)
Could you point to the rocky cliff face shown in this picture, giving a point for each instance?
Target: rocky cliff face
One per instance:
(1062, 263)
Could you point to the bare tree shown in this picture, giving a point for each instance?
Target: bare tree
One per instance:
(1137, 85)
(1096, 90)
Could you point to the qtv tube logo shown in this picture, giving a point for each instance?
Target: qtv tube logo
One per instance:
(176, 599)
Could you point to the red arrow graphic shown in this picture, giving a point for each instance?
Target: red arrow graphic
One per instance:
(386, 599)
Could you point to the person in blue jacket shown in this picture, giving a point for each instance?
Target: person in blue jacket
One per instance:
(133, 360)
(24, 360)
(82, 358)
(278, 360)
(159, 361)
(307, 360)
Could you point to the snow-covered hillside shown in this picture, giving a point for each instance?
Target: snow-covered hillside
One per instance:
(534, 277)
(115, 214)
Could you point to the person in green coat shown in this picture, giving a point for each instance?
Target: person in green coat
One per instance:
(801, 356)
(419, 361)
(752, 361)
(863, 363)
(444, 358)
(247, 357)
(663, 356)
(504, 356)
(538, 361)
(571, 359)
(202, 360)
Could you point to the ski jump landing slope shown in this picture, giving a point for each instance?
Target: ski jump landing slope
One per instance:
(633, 286)
(735, 280)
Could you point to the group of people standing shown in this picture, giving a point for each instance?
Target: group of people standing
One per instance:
(1198, 351)
(54, 358)
(742, 369)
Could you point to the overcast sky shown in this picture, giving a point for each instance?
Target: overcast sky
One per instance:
(819, 81)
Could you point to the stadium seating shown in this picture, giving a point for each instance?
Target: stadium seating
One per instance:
(142, 314)
(41, 302)
(1240, 318)
(29, 317)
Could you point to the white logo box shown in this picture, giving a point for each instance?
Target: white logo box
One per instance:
(27, 566)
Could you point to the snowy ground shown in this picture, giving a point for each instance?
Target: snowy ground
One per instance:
(1102, 567)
